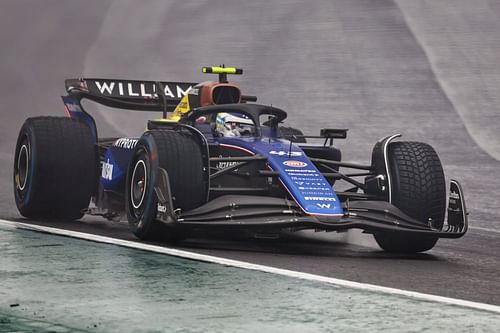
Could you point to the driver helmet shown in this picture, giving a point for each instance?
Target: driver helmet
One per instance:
(233, 124)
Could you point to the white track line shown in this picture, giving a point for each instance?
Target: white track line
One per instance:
(255, 267)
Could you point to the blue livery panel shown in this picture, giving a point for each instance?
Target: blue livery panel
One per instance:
(305, 183)
(74, 110)
(300, 177)
(115, 163)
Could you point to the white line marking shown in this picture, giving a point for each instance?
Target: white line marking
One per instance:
(255, 267)
(485, 229)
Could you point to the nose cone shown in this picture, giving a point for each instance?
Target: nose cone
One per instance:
(303, 181)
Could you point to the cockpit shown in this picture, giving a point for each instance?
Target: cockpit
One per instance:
(233, 125)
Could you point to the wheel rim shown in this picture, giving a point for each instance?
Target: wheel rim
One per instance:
(138, 185)
(22, 166)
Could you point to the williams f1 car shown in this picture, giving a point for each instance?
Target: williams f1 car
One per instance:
(218, 160)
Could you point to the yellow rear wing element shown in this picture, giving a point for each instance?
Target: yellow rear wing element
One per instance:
(222, 71)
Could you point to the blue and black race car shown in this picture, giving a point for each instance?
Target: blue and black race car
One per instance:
(216, 159)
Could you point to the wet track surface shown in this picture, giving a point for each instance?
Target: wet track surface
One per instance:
(154, 293)
(428, 71)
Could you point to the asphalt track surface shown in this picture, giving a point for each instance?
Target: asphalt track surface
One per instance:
(46, 277)
(425, 69)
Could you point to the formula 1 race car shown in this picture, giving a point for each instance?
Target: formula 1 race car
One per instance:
(216, 159)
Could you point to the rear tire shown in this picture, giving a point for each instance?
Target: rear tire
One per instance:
(55, 168)
(180, 155)
(418, 189)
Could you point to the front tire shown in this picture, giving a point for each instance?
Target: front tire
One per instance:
(419, 190)
(55, 168)
(180, 155)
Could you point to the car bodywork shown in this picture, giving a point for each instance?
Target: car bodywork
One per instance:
(258, 182)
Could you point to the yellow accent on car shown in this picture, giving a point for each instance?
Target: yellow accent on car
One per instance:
(221, 70)
(180, 109)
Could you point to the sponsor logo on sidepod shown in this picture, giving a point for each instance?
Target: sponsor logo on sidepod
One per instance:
(126, 143)
(295, 164)
(107, 170)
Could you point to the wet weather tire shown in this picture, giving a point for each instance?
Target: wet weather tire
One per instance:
(55, 168)
(419, 190)
(180, 155)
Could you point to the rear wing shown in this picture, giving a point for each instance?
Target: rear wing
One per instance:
(163, 96)
(122, 94)
(129, 94)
